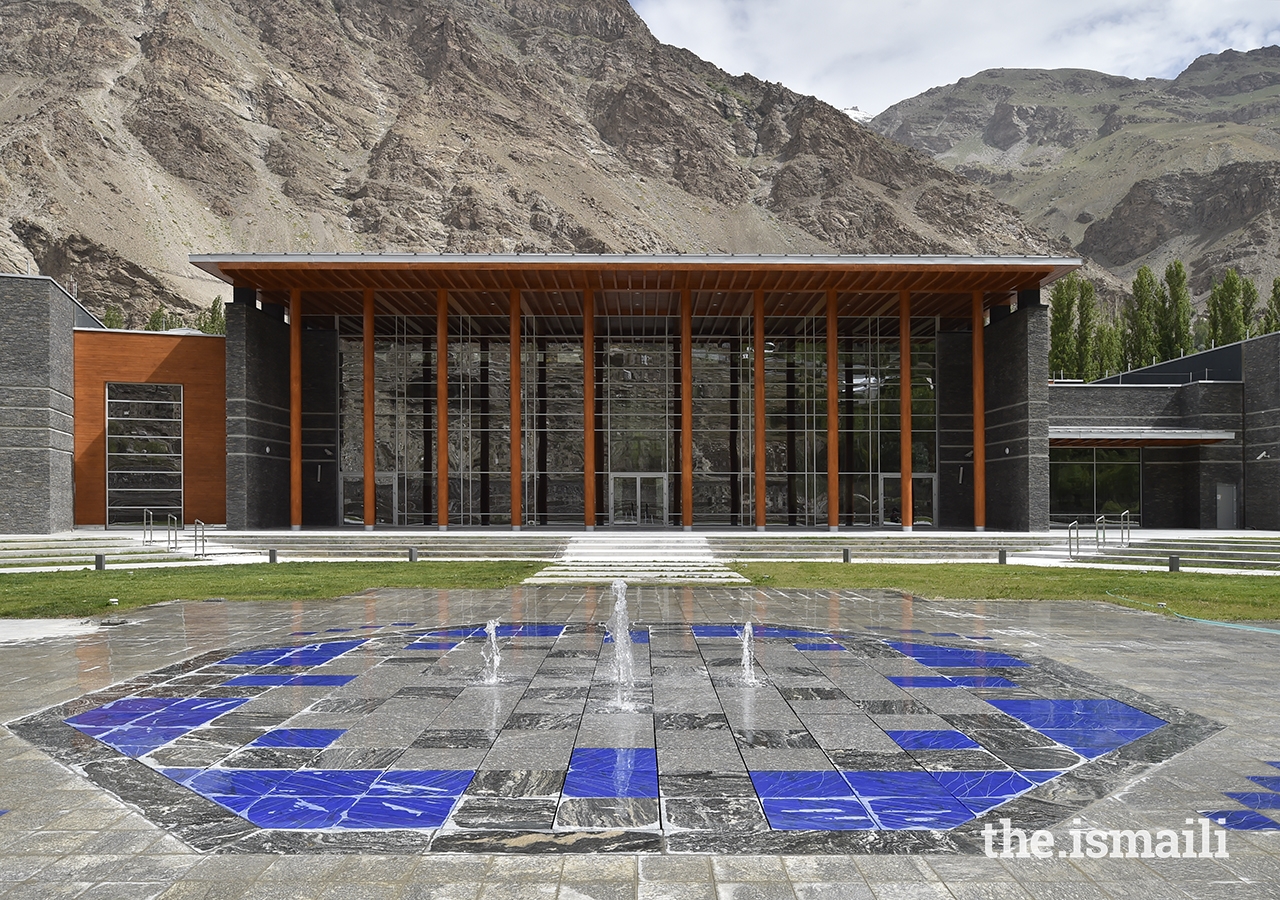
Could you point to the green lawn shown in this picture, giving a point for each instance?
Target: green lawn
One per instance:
(1225, 597)
(83, 593)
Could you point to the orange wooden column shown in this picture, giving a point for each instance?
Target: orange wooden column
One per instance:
(517, 441)
(295, 409)
(833, 418)
(979, 419)
(370, 449)
(904, 406)
(589, 409)
(686, 409)
(442, 409)
(758, 388)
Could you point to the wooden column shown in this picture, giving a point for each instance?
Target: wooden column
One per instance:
(904, 406)
(686, 409)
(979, 419)
(517, 440)
(589, 408)
(442, 409)
(833, 418)
(758, 342)
(370, 450)
(295, 409)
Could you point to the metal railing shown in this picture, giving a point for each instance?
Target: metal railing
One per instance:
(171, 533)
(1126, 528)
(199, 545)
(1100, 532)
(1073, 539)
(148, 527)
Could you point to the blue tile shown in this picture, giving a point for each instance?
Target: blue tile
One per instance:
(403, 624)
(372, 627)
(716, 631)
(278, 811)
(800, 784)
(182, 776)
(191, 713)
(255, 657)
(398, 812)
(943, 634)
(608, 772)
(237, 805)
(121, 712)
(1092, 743)
(529, 630)
(299, 737)
(321, 680)
(964, 785)
(830, 814)
(794, 634)
(922, 681)
(1095, 714)
(820, 647)
(1270, 782)
(936, 656)
(1256, 799)
(421, 783)
(981, 681)
(917, 783)
(980, 637)
(432, 645)
(1039, 776)
(238, 782)
(933, 740)
(454, 632)
(328, 782)
(258, 680)
(638, 636)
(301, 633)
(979, 805)
(135, 742)
(908, 813)
(1240, 820)
(331, 630)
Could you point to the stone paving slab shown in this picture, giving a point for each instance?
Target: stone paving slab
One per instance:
(62, 835)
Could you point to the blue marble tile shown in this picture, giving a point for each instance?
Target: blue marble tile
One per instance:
(716, 631)
(1256, 799)
(398, 812)
(908, 813)
(255, 657)
(829, 647)
(421, 783)
(278, 811)
(191, 713)
(793, 634)
(638, 636)
(1240, 820)
(121, 712)
(1092, 743)
(299, 737)
(1095, 714)
(236, 804)
(321, 680)
(980, 637)
(180, 775)
(238, 782)
(916, 783)
(981, 681)
(1270, 782)
(403, 624)
(964, 785)
(337, 630)
(302, 633)
(258, 680)
(454, 632)
(933, 740)
(372, 627)
(831, 814)
(529, 630)
(609, 772)
(936, 656)
(943, 634)
(792, 785)
(328, 782)
(922, 681)
(432, 645)
(1039, 776)
(979, 805)
(135, 741)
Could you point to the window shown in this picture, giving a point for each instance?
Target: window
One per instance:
(144, 452)
(1087, 482)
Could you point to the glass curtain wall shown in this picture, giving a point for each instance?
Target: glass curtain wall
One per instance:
(723, 389)
(1087, 482)
(144, 453)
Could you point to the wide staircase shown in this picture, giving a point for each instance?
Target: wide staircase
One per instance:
(1210, 552)
(637, 556)
(388, 545)
(79, 550)
(872, 546)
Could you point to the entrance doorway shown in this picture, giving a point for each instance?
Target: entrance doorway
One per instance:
(923, 499)
(637, 499)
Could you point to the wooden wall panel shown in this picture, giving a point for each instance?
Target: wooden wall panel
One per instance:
(198, 363)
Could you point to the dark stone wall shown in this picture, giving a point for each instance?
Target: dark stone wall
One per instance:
(37, 387)
(257, 418)
(1217, 406)
(955, 429)
(320, 429)
(1262, 432)
(1016, 351)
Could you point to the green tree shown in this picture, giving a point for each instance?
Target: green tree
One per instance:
(1109, 352)
(1271, 316)
(1139, 318)
(212, 320)
(1249, 308)
(161, 319)
(1063, 356)
(1087, 332)
(113, 316)
(1175, 324)
(1226, 313)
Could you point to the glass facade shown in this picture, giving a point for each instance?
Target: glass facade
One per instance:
(144, 452)
(1087, 482)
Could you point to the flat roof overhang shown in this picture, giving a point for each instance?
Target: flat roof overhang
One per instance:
(1119, 436)
(635, 284)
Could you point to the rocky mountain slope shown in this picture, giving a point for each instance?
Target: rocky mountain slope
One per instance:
(1129, 172)
(136, 132)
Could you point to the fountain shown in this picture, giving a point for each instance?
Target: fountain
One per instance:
(748, 675)
(491, 653)
(619, 628)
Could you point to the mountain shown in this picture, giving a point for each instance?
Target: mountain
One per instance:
(136, 133)
(1129, 172)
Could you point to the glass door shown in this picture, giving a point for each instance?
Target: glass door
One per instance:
(638, 499)
(923, 489)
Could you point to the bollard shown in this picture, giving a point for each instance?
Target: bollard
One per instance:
(1174, 563)
(848, 555)
(271, 555)
(99, 561)
(1004, 557)
(413, 554)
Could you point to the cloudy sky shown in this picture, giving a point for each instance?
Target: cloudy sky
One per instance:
(873, 54)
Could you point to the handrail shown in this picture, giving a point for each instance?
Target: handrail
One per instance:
(1100, 532)
(148, 527)
(199, 545)
(1126, 528)
(1073, 547)
(171, 533)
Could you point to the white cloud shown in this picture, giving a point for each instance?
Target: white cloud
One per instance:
(872, 55)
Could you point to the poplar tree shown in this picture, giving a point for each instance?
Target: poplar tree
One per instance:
(1108, 352)
(1063, 356)
(1175, 325)
(1271, 317)
(1248, 308)
(1139, 318)
(1226, 315)
(1087, 363)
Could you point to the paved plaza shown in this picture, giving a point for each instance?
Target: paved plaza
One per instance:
(367, 746)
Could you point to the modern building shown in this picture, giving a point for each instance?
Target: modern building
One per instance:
(662, 391)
